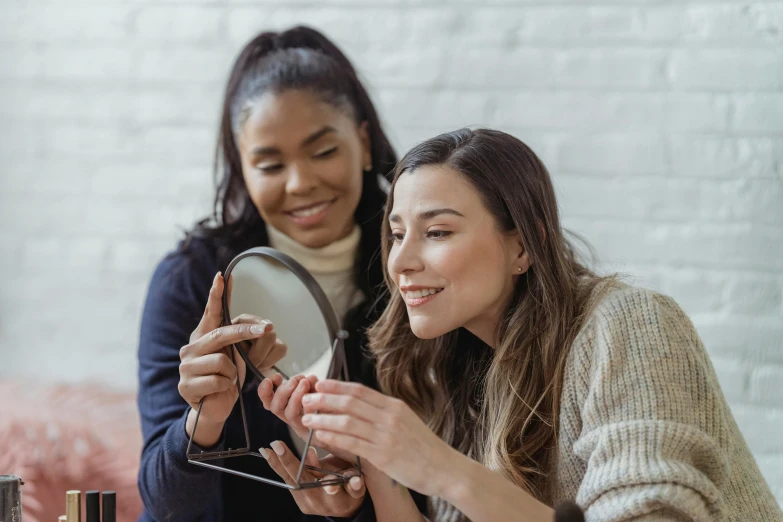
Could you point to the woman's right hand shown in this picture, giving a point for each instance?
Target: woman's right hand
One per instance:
(207, 370)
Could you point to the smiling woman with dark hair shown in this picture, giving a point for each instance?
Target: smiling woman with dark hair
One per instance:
(300, 162)
(514, 378)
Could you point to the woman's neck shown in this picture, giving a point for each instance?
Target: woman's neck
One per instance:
(334, 257)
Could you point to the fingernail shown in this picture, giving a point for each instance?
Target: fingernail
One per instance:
(314, 451)
(215, 279)
(307, 419)
(278, 447)
(257, 329)
(306, 399)
(263, 453)
(302, 384)
(356, 483)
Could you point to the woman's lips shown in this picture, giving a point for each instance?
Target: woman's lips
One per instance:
(311, 215)
(419, 297)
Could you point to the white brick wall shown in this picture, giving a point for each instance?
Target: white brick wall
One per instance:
(662, 124)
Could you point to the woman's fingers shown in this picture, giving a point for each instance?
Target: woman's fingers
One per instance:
(210, 364)
(340, 423)
(213, 312)
(331, 403)
(194, 389)
(289, 462)
(356, 390)
(282, 396)
(266, 390)
(219, 338)
(293, 411)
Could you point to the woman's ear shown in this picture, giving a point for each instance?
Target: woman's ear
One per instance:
(364, 139)
(520, 262)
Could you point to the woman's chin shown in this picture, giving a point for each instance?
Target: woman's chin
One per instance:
(427, 328)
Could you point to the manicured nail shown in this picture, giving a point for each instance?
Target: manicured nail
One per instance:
(306, 399)
(356, 483)
(262, 327)
(307, 419)
(315, 452)
(278, 447)
(263, 453)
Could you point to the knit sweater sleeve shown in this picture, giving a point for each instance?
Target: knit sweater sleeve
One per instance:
(655, 434)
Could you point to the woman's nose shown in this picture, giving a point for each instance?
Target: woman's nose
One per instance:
(300, 180)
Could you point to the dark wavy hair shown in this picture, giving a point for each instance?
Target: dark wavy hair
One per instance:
(304, 59)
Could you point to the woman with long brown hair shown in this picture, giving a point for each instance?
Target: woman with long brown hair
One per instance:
(513, 377)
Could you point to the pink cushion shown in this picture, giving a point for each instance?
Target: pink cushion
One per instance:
(61, 437)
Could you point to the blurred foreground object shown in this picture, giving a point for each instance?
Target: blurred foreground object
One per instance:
(67, 436)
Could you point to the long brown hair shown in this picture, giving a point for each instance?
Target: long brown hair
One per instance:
(499, 406)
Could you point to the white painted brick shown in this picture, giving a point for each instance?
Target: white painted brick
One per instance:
(580, 23)
(84, 63)
(614, 154)
(765, 385)
(56, 23)
(760, 23)
(771, 466)
(696, 291)
(758, 113)
(87, 253)
(448, 109)
(179, 145)
(733, 377)
(177, 24)
(757, 339)
(757, 424)
(521, 67)
(67, 102)
(729, 69)
(404, 68)
(198, 104)
(613, 68)
(79, 141)
(708, 245)
(756, 296)
(18, 62)
(208, 64)
(726, 157)
(38, 177)
(626, 112)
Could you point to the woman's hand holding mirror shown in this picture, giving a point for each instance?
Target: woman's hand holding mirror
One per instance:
(334, 500)
(207, 370)
(284, 399)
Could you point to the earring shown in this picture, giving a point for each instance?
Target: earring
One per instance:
(368, 168)
(519, 269)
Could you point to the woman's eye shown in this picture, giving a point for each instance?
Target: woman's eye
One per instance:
(438, 234)
(326, 153)
(270, 169)
(397, 236)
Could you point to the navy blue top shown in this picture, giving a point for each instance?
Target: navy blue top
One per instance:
(171, 488)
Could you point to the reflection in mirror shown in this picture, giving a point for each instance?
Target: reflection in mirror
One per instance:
(265, 288)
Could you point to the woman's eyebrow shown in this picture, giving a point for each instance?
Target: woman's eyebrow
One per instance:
(428, 214)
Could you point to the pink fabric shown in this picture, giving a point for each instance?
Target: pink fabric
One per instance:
(61, 437)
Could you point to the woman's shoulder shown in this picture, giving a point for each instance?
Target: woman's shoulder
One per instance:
(191, 265)
(625, 321)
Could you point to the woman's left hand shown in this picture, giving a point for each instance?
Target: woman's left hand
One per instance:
(380, 429)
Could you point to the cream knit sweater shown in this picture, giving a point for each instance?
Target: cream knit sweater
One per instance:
(645, 432)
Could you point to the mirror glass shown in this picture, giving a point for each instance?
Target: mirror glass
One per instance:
(264, 287)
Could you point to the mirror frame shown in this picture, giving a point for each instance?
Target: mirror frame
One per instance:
(338, 369)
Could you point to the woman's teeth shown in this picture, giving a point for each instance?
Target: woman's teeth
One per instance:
(310, 211)
(418, 294)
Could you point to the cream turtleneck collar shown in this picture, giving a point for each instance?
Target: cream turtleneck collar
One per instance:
(334, 257)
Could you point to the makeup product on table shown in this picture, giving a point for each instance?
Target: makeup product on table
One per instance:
(92, 506)
(73, 505)
(109, 506)
(10, 498)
